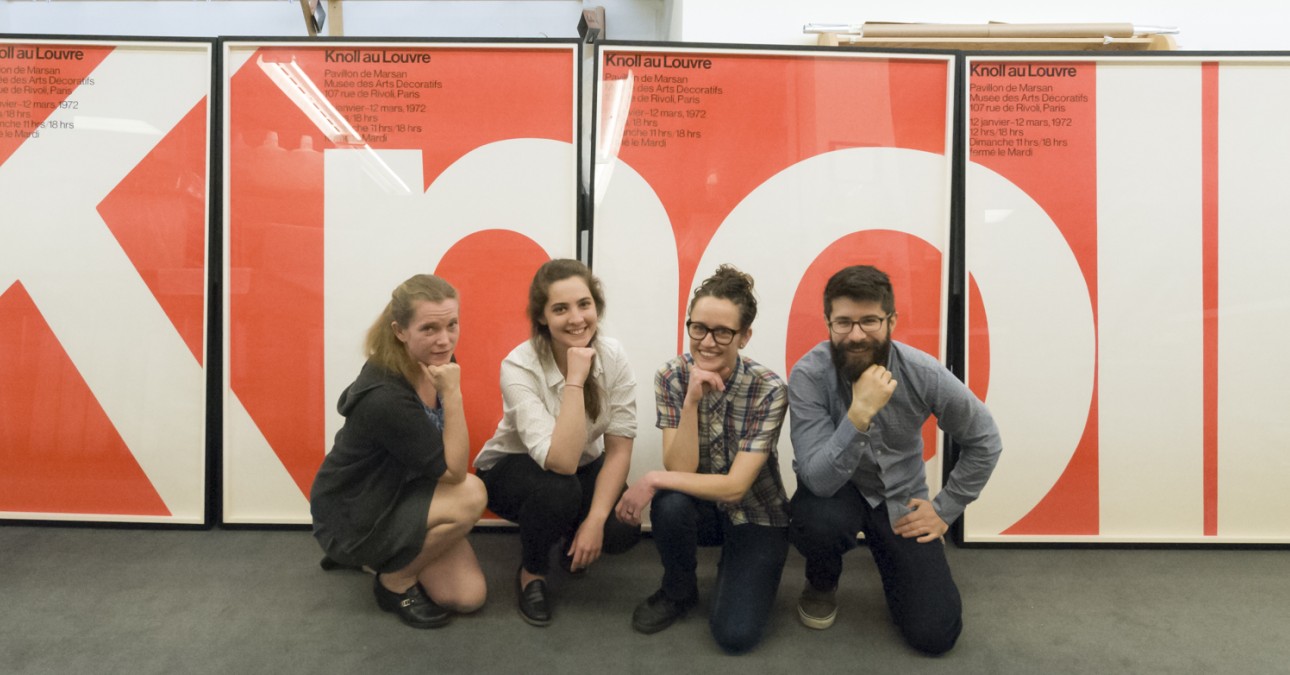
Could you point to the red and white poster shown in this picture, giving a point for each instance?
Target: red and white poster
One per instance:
(787, 164)
(349, 168)
(103, 248)
(1126, 252)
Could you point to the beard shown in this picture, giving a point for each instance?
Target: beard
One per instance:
(853, 358)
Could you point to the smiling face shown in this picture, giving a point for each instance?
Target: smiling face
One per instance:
(570, 314)
(717, 313)
(855, 351)
(431, 334)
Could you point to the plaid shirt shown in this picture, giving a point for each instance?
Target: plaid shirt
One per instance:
(746, 417)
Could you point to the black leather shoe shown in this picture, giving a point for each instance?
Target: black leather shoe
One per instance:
(658, 612)
(328, 563)
(532, 598)
(412, 606)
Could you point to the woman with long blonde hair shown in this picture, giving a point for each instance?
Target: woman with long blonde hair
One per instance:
(395, 494)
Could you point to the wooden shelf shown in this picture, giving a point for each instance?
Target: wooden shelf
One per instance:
(1128, 44)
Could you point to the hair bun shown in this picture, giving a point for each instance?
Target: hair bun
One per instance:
(733, 284)
(728, 275)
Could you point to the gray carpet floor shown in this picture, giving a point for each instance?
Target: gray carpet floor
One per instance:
(85, 600)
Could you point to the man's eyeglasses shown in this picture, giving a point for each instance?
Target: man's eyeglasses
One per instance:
(721, 334)
(869, 324)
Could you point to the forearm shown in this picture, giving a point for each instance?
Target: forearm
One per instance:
(681, 447)
(825, 462)
(456, 439)
(570, 434)
(609, 484)
(973, 429)
(709, 487)
(971, 471)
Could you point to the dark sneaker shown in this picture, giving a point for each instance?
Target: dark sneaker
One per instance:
(412, 606)
(658, 612)
(817, 609)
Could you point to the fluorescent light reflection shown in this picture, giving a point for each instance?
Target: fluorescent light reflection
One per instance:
(291, 79)
(617, 102)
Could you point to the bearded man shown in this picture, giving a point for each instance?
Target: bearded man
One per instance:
(857, 404)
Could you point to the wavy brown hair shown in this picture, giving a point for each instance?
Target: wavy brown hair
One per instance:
(540, 334)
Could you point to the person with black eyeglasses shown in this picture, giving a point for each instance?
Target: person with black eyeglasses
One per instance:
(721, 415)
(857, 403)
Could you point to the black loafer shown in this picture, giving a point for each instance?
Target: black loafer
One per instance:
(658, 612)
(532, 601)
(412, 606)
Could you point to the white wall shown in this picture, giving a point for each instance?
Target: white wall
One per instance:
(626, 19)
(161, 18)
(1232, 25)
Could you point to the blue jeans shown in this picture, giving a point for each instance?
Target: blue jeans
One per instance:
(921, 594)
(752, 560)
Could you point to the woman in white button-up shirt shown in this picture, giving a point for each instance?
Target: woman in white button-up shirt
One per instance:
(559, 459)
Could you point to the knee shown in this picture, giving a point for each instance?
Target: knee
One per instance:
(475, 497)
(670, 508)
(555, 499)
(736, 637)
(933, 638)
(468, 499)
(468, 596)
(809, 534)
(818, 523)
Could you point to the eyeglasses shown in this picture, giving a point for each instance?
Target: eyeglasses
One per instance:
(721, 334)
(869, 324)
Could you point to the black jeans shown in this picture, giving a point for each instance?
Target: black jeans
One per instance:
(921, 594)
(549, 506)
(752, 560)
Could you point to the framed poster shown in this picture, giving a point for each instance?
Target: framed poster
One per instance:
(104, 156)
(788, 164)
(350, 167)
(1129, 288)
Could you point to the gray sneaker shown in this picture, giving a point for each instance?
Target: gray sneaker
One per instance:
(817, 609)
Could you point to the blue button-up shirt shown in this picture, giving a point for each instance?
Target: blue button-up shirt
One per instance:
(886, 461)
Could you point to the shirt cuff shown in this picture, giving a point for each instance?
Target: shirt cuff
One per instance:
(947, 507)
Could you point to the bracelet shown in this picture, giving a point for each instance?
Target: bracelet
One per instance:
(567, 384)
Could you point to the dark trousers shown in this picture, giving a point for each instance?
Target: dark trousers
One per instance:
(549, 506)
(921, 594)
(752, 560)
